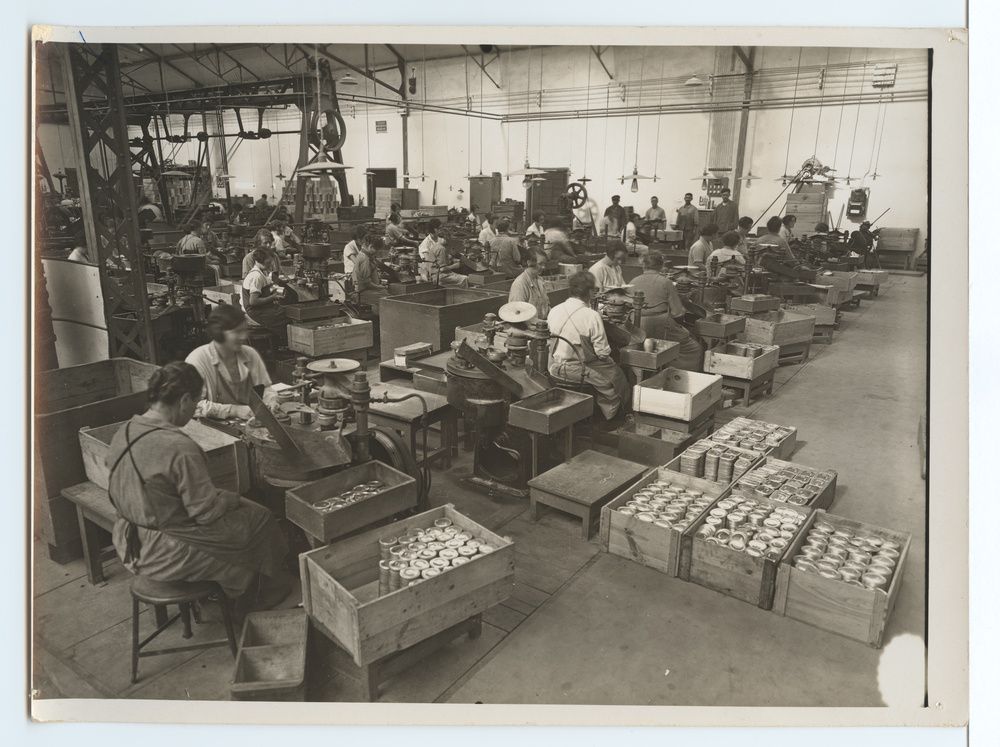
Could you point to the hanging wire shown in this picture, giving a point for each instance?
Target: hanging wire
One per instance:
(638, 115)
(423, 109)
(468, 119)
(625, 121)
(879, 112)
(878, 153)
(753, 134)
(659, 118)
(586, 120)
(505, 124)
(857, 116)
(791, 119)
(527, 98)
(843, 96)
(607, 122)
(822, 98)
(482, 73)
(541, 86)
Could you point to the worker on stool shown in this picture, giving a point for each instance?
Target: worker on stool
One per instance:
(441, 269)
(259, 296)
(229, 367)
(527, 286)
(173, 523)
(263, 240)
(662, 311)
(589, 356)
(366, 280)
(607, 271)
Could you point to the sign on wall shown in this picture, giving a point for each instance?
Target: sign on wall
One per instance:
(381, 126)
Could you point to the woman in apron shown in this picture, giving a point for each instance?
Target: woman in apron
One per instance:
(173, 523)
(260, 301)
(229, 367)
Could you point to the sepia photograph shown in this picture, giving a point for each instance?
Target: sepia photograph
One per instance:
(378, 367)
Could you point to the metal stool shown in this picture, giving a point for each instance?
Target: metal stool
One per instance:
(185, 594)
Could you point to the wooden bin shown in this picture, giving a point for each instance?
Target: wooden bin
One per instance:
(550, 411)
(731, 572)
(399, 494)
(726, 360)
(340, 590)
(330, 336)
(672, 470)
(720, 325)
(825, 498)
(826, 603)
(228, 462)
(645, 543)
(784, 449)
(67, 399)
(674, 393)
(663, 352)
(753, 303)
(271, 660)
(780, 328)
(650, 444)
(825, 315)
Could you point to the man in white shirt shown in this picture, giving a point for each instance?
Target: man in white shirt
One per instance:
(607, 271)
(537, 227)
(430, 240)
(487, 234)
(699, 251)
(589, 357)
(632, 239)
(353, 248)
(728, 252)
(656, 216)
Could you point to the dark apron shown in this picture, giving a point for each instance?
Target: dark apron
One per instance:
(266, 316)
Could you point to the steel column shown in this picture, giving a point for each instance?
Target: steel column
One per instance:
(107, 194)
(741, 142)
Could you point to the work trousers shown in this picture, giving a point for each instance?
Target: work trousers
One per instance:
(606, 378)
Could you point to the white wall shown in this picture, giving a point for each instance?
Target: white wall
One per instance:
(452, 144)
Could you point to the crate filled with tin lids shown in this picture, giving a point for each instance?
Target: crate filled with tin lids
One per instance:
(645, 523)
(843, 576)
(709, 463)
(786, 482)
(736, 546)
(756, 435)
(351, 600)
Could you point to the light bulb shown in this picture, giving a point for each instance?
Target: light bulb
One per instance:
(527, 182)
(635, 185)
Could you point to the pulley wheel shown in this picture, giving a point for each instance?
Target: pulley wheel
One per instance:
(577, 194)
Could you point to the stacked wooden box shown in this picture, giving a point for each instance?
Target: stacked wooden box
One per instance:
(809, 206)
(897, 247)
(329, 336)
(740, 360)
(271, 659)
(407, 199)
(780, 328)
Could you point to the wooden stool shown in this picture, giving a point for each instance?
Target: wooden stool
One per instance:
(261, 340)
(185, 594)
(749, 389)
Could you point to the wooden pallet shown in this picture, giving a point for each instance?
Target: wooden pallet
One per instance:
(823, 333)
(751, 389)
(794, 354)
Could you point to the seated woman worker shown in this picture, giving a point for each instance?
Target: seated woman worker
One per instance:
(229, 367)
(173, 523)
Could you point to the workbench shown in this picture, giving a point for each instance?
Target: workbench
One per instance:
(407, 418)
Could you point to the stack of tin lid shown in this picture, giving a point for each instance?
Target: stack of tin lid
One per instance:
(713, 461)
(855, 557)
(755, 435)
(348, 497)
(785, 482)
(749, 526)
(667, 505)
(746, 349)
(425, 553)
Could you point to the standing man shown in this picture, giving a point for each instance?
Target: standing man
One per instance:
(687, 220)
(527, 286)
(701, 249)
(616, 216)
(506, 252)
(656, 217)
(607, 271)
(587, 355)
(727, 214)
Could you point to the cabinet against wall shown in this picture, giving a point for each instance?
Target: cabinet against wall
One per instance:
(485, 192)
(548, 195)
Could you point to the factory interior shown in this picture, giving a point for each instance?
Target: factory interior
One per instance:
(637, 334)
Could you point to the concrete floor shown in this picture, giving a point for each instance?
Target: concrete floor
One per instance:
(578, 613)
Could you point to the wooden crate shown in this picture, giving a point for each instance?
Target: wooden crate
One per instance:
(783, 450)
(663, 352)
(720, 325)
(66, 400)
(824, 500)
(340, 590)
(674, 393)
(271, 659)
(329, 336)
(645, 543)
(872, 278)
(825, 314)
(730, 572)
(399, 494)
(550, 411)
(829, 604)
(672, 470)
(649, 444)
(727, 360)
(754, 303)
(780, 328)
(228, 462)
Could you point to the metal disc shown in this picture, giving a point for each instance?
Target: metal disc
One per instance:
(334, 365)
(518, 311)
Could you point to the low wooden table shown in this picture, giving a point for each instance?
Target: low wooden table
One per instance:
(582, 485)
(751, 388)
(408, 418)
(93, 512)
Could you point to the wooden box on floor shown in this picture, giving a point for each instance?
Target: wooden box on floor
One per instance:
(340, 590)
(825, 315)
(732, 572)
(66, 400)
(678, 394)
(825, 498)
(780, 328)
(271, 660)
(831, 604)
(398, 494)
(330, 336)
(643, 542)
(782, 450)
(720, 325)
(672, 470)
(432, 316)
(228, 461)
(650, 444)
(727, 360)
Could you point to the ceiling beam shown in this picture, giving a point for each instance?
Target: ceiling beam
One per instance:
(323, 51)
(597, 53)
(168, 63)
(747, 63)
(399, 57)
(216, 73)
(238, 63)
(482, 67)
